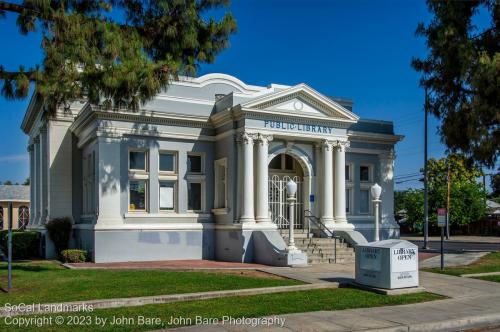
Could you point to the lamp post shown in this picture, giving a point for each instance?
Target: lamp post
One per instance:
(376, 190)
(291, 189)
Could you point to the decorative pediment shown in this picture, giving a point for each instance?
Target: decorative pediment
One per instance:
(302, 99)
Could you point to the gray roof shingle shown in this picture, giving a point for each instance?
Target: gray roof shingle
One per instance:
(14, 193)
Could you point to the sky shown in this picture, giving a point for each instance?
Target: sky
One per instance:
(359, 50)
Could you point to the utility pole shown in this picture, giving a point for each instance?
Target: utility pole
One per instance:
(448, 204)
(426, 207)
(9, 250)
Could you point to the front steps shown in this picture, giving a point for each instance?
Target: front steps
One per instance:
(320, 250)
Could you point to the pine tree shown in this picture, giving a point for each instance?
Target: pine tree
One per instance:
(117, 53)
(462, 74)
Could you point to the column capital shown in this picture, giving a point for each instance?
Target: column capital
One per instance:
(327, 145)
(246, 138)
(341, 146)
(263, 139)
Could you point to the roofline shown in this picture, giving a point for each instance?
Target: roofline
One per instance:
(376, 121)
(30, 114)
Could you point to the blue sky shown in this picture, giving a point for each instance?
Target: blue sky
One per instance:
(355, 49)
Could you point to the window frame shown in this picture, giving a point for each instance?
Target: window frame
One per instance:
(349, 203)
(175, 198)
(175, 162)
(146, 196)
(283, 168)
(146, 161)
(370, 173)
(202, 194)
(349, 173)
(202, 157)
(218, 163)
(369, 212)
(19, 215)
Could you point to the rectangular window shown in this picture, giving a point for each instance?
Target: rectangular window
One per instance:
(137, 195)
(167, 196)
(194, 196)
(364, 201)
(220, 167)
(347, 173)
(288, 163)
(275, 163)
(364, 173)
(348, 201)
(167, 162)
(194, 163)
(137, 160)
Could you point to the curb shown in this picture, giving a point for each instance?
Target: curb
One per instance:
(484, 274)
(454, 324)
(76, 306)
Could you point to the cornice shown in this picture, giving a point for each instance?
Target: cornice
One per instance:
(91, 113)
(282, 116)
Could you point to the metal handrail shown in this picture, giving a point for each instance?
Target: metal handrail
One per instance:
(322, 227)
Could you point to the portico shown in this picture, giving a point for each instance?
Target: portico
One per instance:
(331, 178)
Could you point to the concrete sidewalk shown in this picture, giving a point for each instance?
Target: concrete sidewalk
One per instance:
(472, 303)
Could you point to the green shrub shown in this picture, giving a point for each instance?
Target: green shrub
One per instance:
(74, 256)
(59, 230)
(25, 244)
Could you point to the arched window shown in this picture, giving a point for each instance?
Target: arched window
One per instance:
(24, 217)
(1, 218)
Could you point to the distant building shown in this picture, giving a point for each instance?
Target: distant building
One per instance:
(19, 195)
(493, 209)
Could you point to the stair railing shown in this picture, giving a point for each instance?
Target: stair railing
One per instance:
(311, 218)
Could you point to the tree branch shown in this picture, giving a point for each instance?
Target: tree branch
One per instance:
(11, 75)
(15, 8)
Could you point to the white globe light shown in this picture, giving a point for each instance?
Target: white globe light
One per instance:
(291, 188)
(376, 190)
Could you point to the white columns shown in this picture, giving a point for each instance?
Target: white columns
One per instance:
(35, 181)
(262, 211)
(44, 175)
(31, 150)
(340, 199)
(327, 186)
(247, 208)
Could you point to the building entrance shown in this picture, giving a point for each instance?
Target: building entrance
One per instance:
(282, 169)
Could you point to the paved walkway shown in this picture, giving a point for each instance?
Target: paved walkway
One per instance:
(452, 259)
(472, 303)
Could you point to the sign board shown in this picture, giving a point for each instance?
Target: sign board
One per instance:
(441, 214)
(311, 198)
(387, 264)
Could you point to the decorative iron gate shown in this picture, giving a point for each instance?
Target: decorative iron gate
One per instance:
(278, 204)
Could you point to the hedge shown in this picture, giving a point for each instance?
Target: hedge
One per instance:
(25, 244)
(74, 256)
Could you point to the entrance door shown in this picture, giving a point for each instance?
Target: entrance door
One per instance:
(278, 204)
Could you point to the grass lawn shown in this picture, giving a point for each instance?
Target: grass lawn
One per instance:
(246, 306)
(48, 282)
(490, 278)
(488, 263)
